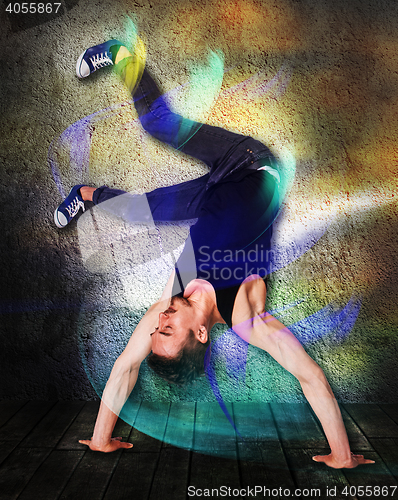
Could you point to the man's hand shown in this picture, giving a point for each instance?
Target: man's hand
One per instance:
(113, 445)
(354, 461)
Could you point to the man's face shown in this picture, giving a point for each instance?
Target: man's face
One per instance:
(174, 326)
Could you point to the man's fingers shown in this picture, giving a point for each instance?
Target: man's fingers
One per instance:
(126, 445)
(85, 441)
(116, 439)
(361, 460)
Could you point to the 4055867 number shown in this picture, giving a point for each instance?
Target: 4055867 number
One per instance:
(369, 491)
(33, 8)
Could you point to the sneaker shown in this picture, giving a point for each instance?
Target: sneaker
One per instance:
(95, 58)
(69, 208)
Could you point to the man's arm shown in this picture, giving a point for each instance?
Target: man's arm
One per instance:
(261, 329)
(124, 377)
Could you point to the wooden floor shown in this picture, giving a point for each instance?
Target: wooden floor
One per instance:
(40, 457)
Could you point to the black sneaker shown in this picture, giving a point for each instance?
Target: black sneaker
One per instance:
(96, 57)
(69, 208)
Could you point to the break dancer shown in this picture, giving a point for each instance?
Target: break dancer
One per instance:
(235, 204)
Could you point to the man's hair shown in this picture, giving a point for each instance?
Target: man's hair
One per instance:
(186, 366)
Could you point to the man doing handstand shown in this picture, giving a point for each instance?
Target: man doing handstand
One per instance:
(235, 205)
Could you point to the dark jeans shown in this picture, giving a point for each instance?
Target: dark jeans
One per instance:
(228, 156)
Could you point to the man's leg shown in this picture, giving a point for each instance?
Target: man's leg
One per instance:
(166, 204)
(222, 151)
(212, 145)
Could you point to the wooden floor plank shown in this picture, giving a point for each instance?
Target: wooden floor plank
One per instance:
(180, 425)
(8, 409)
(262, 462)
(387, 448)
(133, 476)
(17, 470)
(267, 455)
(147, 421)
(23, 421)
(81, 428)
(317, 479)
(358, 440)
(170, 481)
(213, 472)
(215, 435)
(255, 422)
(213, 432)
(6, 448)
(51, 478)
(144, 443)
(263, 465)
(372, 420)
(91, 477)
(53, 426)
(297, 426)
(391, 410)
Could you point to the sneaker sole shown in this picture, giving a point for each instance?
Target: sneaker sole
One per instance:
(79, 66)
(56, 219)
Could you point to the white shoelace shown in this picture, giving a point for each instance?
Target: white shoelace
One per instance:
(74, 207)
(101, 60)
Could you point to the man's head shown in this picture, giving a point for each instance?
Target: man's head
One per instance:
(180, 342)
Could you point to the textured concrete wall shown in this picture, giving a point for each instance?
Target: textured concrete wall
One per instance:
(70, 297)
